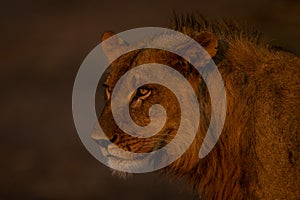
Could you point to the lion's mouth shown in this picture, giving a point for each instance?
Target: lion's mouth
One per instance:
(117, 158)
(112, 151)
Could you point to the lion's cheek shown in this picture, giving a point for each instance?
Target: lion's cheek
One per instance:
(136, 104)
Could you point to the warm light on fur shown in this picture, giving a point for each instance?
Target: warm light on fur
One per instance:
(257, 155)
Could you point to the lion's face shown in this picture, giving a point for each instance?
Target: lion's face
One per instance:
(142, 99)
(140, 102)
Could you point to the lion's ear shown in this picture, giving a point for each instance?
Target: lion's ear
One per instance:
(113, 46)
(208, 41)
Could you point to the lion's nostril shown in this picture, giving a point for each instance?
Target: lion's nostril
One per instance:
(114, 138)
(103, 143)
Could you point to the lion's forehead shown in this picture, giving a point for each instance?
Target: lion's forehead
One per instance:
(168, 42)
(129, 62)
(140, 53)
(165, 41)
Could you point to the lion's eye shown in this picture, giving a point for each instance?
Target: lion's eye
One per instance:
(143, 93)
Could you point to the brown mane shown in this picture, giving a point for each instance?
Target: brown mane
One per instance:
(257, 80)
(191, 24)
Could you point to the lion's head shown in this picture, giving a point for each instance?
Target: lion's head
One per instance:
(145, 96)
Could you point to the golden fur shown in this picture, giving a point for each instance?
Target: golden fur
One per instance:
(257, 155)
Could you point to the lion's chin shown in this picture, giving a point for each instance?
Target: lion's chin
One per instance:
(127, 166)
(120, 174)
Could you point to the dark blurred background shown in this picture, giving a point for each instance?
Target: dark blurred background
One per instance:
(42, 46)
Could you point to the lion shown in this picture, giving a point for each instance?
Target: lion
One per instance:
(257, 154)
